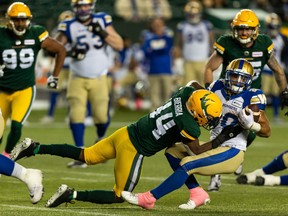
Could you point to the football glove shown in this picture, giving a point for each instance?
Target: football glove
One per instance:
(284, 98)
(246, 120)
(96, 28)
(227, 133)
(77, 53)
(1, 70)
(52, 82)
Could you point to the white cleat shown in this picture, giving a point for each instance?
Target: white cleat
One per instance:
(192, 205)
(130, 197)
(267, 180)
(33, 179)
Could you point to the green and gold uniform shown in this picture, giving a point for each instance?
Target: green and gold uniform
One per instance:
(161, 128)
(17, 86)
(257, 55)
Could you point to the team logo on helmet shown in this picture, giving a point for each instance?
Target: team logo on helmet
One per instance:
(206, 108)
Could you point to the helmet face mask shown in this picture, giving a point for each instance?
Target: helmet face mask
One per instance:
(19, 18)
(245, 20)
(206, 108)
(193, 11)
(239, 74)
(83, 9)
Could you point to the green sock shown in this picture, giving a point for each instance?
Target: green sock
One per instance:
(63, 150)
(14, 136)
(98, 196)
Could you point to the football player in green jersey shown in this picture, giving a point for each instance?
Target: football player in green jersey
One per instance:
(179, 119)
(20, 43)
(246, 42)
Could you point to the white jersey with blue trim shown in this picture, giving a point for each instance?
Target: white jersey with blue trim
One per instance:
(96, 61)
(232, 106)
(196, 42)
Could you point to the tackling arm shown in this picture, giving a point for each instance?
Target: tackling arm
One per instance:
(227, 133)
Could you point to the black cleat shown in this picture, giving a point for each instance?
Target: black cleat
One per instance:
(24, 149)
(242, 179)
(259, 180)
(64, 194)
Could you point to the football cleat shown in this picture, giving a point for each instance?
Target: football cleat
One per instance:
(267, 180)
(64, 194)
(145, 200)
(24, 149)
(198, 197)
(215, 183)
(76, 164)
(249, 178)
(33, 179)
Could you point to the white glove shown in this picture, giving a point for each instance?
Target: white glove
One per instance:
(245, 120)
(52, 82)
(1, 70)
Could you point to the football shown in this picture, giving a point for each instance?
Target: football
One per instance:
(256, 111)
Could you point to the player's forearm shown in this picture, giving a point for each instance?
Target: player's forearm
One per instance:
(265, 130)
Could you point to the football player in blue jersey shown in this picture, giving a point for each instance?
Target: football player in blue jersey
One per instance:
(89, 34)
(236, 96)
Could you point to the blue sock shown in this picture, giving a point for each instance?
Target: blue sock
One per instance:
(6, 165)
(277, 164)
(78, 133)
(89, 111)
(53, 99)
(284, 180)
(175, 163)
(173, 182)
(275, 105)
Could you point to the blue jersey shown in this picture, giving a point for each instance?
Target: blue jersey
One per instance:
(157, 50)
(232, 106)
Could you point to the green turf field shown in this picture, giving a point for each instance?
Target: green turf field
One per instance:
(231, 200)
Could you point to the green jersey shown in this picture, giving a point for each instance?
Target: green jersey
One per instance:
(257, 55)
(19, 54)
(165, 126)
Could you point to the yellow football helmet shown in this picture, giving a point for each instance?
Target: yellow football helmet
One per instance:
(18, 10)
(239, 74)
(193, 11)
(83, 14)
(273, 23)
(244, 19)
(206, 108)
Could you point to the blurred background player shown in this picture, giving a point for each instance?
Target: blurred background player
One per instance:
(20, 44)
(157, 47)
(88, 33)
(269, 85)
(63, 76)
(195, 37)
